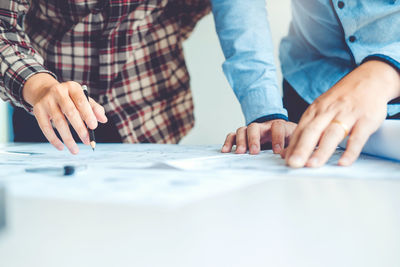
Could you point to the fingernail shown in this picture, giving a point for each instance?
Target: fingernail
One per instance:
(253, 149)
(344, 161)
(224, 149)
(313, 162)
(240, 149)
(295, 162)
(93, 124)
(277, 148)
(75, 150)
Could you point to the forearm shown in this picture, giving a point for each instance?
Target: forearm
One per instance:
(18, 59)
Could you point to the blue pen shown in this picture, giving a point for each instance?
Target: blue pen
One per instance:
(66, 170)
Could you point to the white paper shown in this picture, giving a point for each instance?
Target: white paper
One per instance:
(160, 174)
(365, 167)
(385, 142)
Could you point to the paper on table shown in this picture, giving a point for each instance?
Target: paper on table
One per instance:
(161, 174)
(117, 157)
(118, 173)
(365, 167)
(128, 158)
(111, 156)
(385, 142)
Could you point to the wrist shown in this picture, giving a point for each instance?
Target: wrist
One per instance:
(389, 78)
(37, 86)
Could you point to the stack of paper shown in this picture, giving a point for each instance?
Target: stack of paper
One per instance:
(385, 142)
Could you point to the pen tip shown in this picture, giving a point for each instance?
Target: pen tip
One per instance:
(93, 145)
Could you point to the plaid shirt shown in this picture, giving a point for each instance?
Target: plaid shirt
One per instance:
(128, 52)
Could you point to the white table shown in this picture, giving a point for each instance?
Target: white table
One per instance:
(279, 221)
(2, 206)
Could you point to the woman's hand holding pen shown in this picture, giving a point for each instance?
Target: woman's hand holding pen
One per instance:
(356, 105)
(58, 102)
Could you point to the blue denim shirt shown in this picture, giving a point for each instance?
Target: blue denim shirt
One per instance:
(327, 40)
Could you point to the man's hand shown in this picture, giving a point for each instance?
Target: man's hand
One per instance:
(358, 104)
(58, 102)
(277, 132)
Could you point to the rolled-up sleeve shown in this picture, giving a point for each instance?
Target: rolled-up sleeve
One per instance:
(18, 59)
(244, 34)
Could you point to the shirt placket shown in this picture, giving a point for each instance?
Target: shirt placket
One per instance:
(344, 10)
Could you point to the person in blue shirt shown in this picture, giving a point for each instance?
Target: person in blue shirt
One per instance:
(340, 62)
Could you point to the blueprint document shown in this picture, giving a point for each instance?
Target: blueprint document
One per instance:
(159, 174)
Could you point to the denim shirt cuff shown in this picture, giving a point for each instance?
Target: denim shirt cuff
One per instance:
(260, 102)
(271, 117)
(392, 62)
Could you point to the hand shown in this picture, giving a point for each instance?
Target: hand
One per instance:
(358, 102)
(276, 131)
(59, 102)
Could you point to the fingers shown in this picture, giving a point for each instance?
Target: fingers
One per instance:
(98, 110)
(283, 153)
(278, 136)
(246, 137)
(73, 116)
(305, 140)
(359, 136)
(241, 140)
(67, 101)
(62, 127)
(230, 141)
(256, 134)
(307, 121)
(48, 108)
(253, 138)
(274, 132)
(48, 131)
(329, 141)
(359, 97)
(82, 104)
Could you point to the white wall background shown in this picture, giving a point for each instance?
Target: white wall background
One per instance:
(216, 109)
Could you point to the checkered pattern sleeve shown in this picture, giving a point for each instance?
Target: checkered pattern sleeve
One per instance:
(18, 59)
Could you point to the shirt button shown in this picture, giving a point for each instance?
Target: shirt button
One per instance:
(340, 4)
(352, 39)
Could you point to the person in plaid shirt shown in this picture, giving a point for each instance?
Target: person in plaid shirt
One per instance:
(129, 54)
